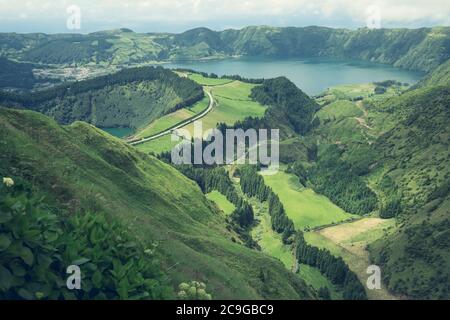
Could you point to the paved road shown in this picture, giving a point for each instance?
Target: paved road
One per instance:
(181, 124)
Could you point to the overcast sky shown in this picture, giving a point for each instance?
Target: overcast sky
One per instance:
(178, 15)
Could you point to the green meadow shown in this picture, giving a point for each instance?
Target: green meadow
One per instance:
(204, 81)
(271, 244)
(305, 207)
(157, 146)
(233, 103)
(173, 118)
(221, 201)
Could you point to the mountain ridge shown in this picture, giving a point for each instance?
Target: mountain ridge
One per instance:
(421, 49)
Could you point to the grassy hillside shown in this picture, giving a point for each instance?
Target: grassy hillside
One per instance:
(233, 103)
(130, 98)
(418, 49)
(439, 77)
(305, 208)
(398, 146)
(92, 171)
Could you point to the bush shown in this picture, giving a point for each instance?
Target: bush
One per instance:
(37, 246)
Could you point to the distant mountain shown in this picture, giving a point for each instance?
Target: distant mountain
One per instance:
(416, 49)
(90, 171)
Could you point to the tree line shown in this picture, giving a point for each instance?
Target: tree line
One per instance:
(215, 76)
(189, 91)
(217, 178)
(253, 185)
(336, 179)
(335, 269)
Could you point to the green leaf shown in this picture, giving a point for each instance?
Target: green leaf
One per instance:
(23, 252)
(5, 216)
(4, 242)
(25, 294)
(97, 279)
(81, 261)
(6, 279)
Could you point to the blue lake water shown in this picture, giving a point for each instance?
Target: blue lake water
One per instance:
(313, 75)
(119, 132)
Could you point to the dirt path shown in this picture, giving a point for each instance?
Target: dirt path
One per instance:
(179, 125)
(349, 240)
(362, 121)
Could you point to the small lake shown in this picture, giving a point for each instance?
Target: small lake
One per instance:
(313, 75)
(119, 132)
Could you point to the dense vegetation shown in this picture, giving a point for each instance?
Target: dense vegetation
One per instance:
(334, 268)
(92, 172)
(129, 98)
(16, 75)
(333, 177)
(418, 49)
(290, 105)
(37, 246)
(252, 184)
(210, 179)
(398, 144)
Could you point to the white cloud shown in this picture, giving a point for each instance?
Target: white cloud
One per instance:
(229, 12)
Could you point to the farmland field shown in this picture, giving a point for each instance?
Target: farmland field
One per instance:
(349, 241)
(233, 103)
(305, 207)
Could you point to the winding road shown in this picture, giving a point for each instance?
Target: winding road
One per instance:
(179, 125)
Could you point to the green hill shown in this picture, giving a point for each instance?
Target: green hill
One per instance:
(92, 171)
(129, 98)
(439, 77)
(398, 145)
(16, 75)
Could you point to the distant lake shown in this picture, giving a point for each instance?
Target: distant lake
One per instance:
(313, 75)
(119, 132)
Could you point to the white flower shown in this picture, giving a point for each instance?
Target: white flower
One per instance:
(8, 182)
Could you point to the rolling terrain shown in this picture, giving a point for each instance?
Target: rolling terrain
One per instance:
(129, 98)
(417, 49)
(95, 172)
(364, 176)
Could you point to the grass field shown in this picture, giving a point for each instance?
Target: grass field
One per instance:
(338, 110)
(349, 241)
(157, 146)
(272, 245)
(173, 118)
(305, 207)
(221, 201)
(233, 104)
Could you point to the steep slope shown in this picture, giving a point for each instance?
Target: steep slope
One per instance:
(439, 77)
(402, 154)
(129, 98)
(16, 75)
(90, 170)
(289, 109)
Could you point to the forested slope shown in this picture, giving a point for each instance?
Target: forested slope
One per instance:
(396, 148)
(130, 98)
(92, 172)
